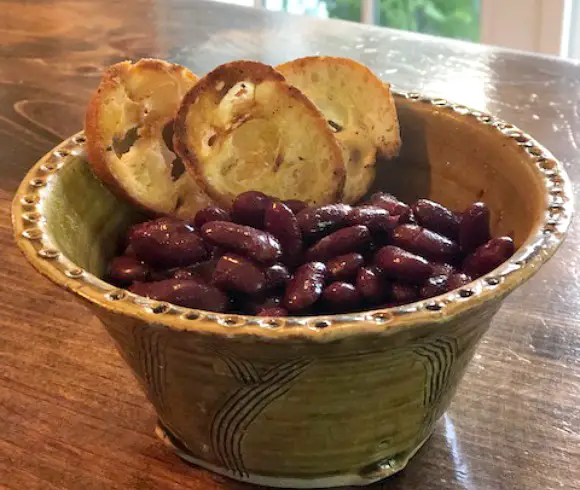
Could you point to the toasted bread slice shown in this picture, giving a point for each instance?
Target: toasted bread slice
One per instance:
(125, 124)
(358, 106)
(243, 127)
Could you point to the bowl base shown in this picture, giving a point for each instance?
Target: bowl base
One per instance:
(371, 474)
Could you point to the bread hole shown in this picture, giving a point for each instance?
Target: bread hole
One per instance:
(177, 168)
(278, 162)
(337, 128)
(211, 140)
(124, 144)
(167, 135)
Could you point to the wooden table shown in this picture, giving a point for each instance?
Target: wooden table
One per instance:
(71, 415)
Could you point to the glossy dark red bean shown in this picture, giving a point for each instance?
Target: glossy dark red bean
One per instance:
(340, 242)
(202, 271)
(305, 287)
(250, 305)
(188, 293)
(235, 273)
(344, 267)
(273, 311)
(407, 217)
(279, 220)
(341, 296)
(277, 275)
(440, 269)
(488, 256)
(166, 243)
(402, 293)
(457, 280)
(129, 252)
(437, 218)
(249, 207)
(474, 227)
(425, 242)
(318, 221)
(210, 213)
(296, 205)
(374, 218)
(371, 285)
(160, 275)
(434, 286)
(402, 265)
(183, 274)
(390, 203)
(250, 242)
(124, 271)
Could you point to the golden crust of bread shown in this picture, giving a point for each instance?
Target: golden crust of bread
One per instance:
(124, 126)
(243, 127)
(358, 106)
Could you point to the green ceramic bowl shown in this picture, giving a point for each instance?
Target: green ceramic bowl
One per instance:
(311, 401)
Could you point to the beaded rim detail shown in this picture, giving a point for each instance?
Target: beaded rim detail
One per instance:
(29, 229)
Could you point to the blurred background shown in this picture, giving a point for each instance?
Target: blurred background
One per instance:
(541, 26)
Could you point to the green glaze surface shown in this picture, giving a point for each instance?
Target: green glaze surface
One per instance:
(85, 220)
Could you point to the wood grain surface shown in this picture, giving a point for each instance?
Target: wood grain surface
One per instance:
(71, 415)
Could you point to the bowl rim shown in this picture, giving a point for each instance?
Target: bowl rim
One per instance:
(36, 244)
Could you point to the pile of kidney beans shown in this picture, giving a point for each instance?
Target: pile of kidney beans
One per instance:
(275, 258)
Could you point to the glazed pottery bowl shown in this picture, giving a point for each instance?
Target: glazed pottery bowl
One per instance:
(308, 401)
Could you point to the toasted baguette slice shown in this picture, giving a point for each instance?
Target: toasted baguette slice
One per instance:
(358, 106)
(124, 127)
(242, 127)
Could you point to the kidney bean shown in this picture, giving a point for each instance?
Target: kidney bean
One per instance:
(434, 286)
(373, 217)
(488, 256)
(317, 221)
(402, 293)
(249, 207)
(305, 287)
(340, 242)
(407, 217)
(251, 304)
(344, 267)
(236, 273)
(474, 227)
(437, 218)
(442, 269)
(182, 274)
(129, 252)
(425, 242)
(277, 275)
(370, 284)
(166, 243)
(273, 311)
(341, 296)
(457, 280)
(188, 293)
(245, 240)
(203, 271)
(125, 270)
(296, 205)
(402, 265)
(390, 203)
(279, 220)
(211, 213)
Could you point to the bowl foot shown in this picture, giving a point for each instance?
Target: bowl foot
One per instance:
(370, 474)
